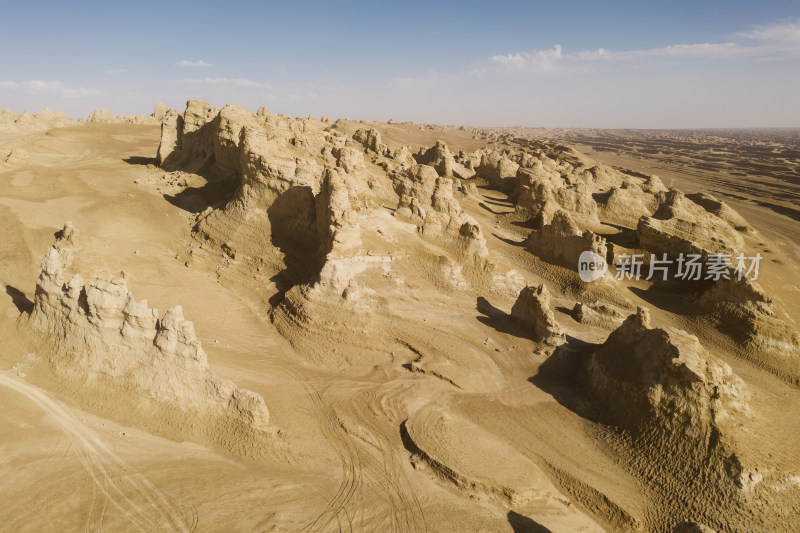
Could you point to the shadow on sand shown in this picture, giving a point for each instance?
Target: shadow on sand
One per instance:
(523, 524)
(563, 376)
(22, 303)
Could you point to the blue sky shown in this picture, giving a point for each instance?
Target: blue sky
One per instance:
(586, 64)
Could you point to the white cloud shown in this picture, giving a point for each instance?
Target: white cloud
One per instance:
(780, 32)
(763, 42)
(542, 60)
(238, 82)
(198, 63)
(675, 51)
(52, 87)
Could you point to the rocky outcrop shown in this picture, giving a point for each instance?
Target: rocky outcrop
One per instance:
(597, 314)
(440, 158)
(104, 116)
(25, 121)
(103, 343)
(532, 310)
(371, 139)
(722, 210)
(171, 130)
(339, 231)
(7, 116)
(428, 200)
(682, 226)
(624, 205)
(644, 377)
(160, 112)
(746, 312)
(541, 201)
(562, 242)
(499, 170)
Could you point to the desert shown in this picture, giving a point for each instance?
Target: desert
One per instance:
(224, 317)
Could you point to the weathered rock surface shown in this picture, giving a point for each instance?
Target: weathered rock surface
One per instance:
(440, 158)
(721, 210)
(371, 139)
(498, 169)
(428, 199)
(562, 241)
(742, 308)
(25, 121)
(625, 204)
(643, 377)
(101, 342)
(682, 226)
(532, 309)
(597, 314)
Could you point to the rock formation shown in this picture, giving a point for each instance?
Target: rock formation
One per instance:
(26, 122)
(102, 343)
(103, 116)
(532, 309)
(722, 210)
(682, 226)
(597, 314)
(626, 204)
(440, 158)
(541, 201)
(643, 378)
(428, 199)
(562, 241)
(371, 139)
(498, 170)
(744, 310)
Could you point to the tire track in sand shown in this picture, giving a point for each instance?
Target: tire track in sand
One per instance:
(157, 515)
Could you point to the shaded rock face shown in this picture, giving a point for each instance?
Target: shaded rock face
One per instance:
(532, 309)
(99, 339)
(171, 128)
(692, 527)
(644, 377)
(563, 242)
